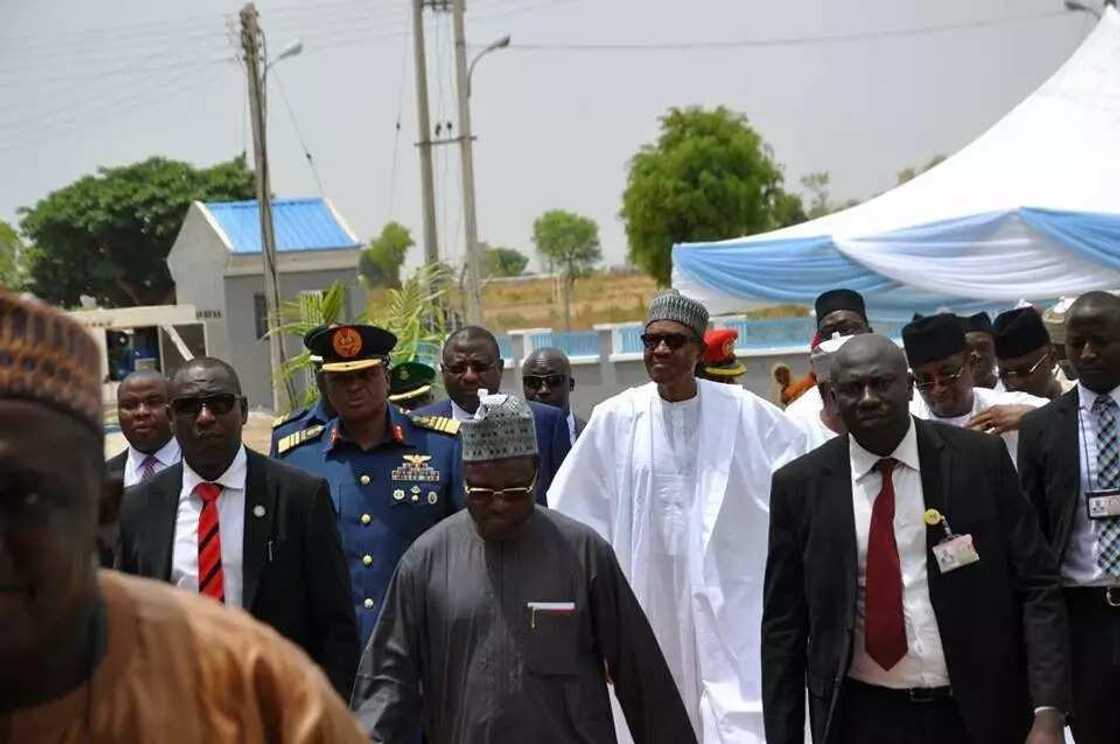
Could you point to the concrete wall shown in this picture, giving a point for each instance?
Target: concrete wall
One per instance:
(248, 354)
(197, 261)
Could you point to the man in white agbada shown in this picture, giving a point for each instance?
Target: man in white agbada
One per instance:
(675, 474)
(939, 360)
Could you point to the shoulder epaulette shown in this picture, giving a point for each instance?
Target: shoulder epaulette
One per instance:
(441, 424)
(289, 416)
(295, 439)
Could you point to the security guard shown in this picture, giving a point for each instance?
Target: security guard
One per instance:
(391, 475)
(410, 385)
(302, 418)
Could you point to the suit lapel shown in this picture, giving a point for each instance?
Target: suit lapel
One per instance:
(164, 507)
(936, 462)
(842, 518)
(260, 513)
(1067, 455)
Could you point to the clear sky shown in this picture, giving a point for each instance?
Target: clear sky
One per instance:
(858, 88)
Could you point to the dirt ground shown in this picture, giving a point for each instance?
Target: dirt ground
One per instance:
(256, 435)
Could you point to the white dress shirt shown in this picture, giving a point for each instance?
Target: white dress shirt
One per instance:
(166, 456)
(982, 399)
(924, 663)
(1079, 566)
(572, 426)
(460, 414)
(231, 529)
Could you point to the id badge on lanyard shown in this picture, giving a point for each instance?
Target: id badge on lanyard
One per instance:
(1103, 504)
(954, 551)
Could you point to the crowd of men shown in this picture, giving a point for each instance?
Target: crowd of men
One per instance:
(694, 563)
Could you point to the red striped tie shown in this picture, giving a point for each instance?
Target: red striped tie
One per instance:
(210, 581)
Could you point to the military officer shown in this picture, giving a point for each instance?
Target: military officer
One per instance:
(392, 475)
(410, 385)
(302, 418)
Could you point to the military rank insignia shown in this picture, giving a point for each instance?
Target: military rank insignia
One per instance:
(298, 438)
(416, 468)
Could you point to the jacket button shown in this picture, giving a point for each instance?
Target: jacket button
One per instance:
(366, 519)
(368, 604)
(367, 560)
(364, 480)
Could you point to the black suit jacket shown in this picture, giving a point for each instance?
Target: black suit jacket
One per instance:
(1002, 620)
(553, 439)
(295, 574)
(115, 465)
(1050, 466)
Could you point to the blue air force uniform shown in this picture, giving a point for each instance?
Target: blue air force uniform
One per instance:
(296, 422)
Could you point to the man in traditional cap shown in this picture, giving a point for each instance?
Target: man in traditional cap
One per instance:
(840, 312)
(97, 656)
(504, 622)
(675, 474)
(471, 361)
(145, 418)
(546, 378)
(1070, 471)
(979, 338)
(240, 528)
(410, 385)
(720, 363)
(302, 418)
(939, 359)
(392, 474)
(1027, 362)
(909, 590)
(828, 423)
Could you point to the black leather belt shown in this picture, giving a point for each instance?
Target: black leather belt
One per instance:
(916, 695)
(1108, 595)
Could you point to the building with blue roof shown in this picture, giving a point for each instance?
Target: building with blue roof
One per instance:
(217, 267)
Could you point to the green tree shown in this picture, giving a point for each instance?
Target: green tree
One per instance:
(380, 264)
(10, 249)
(415, 314)
(108, 235)
(907, 174)
(709, 176)
(499, 261)
(571, 243)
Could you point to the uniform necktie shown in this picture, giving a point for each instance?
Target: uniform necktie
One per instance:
(210, 582)
(1108, 477)
(148, 468)
(885, 627)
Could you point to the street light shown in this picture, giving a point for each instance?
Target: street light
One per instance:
(289, 51)
(1077, 7)
(501, 43)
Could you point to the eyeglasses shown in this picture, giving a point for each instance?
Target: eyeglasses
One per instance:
(514, 493)
(1013, 374)
(929, 383)
(673, 341)
(535, 381)
(219, 405)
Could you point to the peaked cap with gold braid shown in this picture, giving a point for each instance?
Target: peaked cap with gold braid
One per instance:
(50, 358)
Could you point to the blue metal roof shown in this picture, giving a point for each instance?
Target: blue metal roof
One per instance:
(300, 225)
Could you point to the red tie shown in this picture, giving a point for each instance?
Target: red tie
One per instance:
(210, 581)
(885, 628)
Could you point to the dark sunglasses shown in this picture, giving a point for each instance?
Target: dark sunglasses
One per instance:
(552, 381)
(672, 340)
(219, 405)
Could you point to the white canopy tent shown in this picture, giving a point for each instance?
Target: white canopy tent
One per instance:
(1031, 209)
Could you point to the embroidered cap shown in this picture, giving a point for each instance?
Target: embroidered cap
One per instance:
(346, 348)
(1055, 320)
(1018, 332)
(672, 305)
(839, 299)
(50, 358)
(933, 338)
(503, 426)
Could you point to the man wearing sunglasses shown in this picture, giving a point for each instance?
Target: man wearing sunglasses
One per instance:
(546, 378)
(246, 531)
(939, 360)
(1027, 362)
(505, 622)
(675, 474)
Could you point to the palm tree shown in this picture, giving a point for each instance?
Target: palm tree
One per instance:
(299, 316)
(416, 314)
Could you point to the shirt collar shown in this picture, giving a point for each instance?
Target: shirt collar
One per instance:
(397, 420)
(906, 453)
(1086, 397)
(460, 414)
(167, 455)
(233, 478)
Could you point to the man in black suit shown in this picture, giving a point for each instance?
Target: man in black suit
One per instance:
(471, 361)
(901, 634)
(248, 531)
(1068, 465)
(546, 378)
(145, 421)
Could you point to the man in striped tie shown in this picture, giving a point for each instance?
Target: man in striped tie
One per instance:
(145, 419)
(245, 530)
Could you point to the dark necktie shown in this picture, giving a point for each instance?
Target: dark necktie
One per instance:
(148, 468)
(885, 627)
(210, 580)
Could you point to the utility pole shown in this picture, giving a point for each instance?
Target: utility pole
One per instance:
(427, 180)
(251, 38)
(466, 149)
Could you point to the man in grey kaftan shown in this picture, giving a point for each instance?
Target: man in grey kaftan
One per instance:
(505, 628)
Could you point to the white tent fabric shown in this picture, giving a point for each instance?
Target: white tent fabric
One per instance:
(1030, 209)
